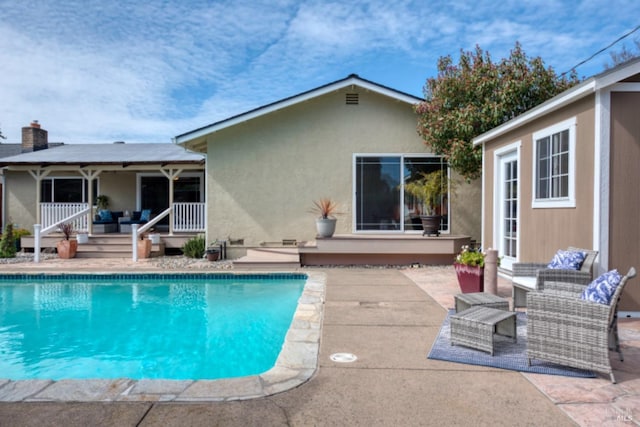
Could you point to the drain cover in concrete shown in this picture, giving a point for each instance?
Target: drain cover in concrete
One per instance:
(343, 357)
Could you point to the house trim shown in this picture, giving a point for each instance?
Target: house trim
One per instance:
(352, 80)
(601, 176)
(514, 147)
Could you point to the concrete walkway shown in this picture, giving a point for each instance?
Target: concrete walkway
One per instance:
(388, 319)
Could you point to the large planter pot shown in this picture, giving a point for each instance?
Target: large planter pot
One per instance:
(213, 254)
(470, 278)
(67, 248)
(431, 224)
(144, 248)
(326, 226)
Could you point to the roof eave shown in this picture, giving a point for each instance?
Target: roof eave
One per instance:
(555, 103)
(287, 102)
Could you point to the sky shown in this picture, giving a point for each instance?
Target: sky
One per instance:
(146, 71)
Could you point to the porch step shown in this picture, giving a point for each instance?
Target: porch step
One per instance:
(111, 245)
(113, 250)
(269, 259)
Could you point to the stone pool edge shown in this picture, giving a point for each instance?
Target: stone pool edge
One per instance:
(296, 364)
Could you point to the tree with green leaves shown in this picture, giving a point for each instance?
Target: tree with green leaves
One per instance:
(476, 95)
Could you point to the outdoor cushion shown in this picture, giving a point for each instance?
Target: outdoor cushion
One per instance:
(567, 260)
(105, 215)
(145, 215)
(602, 289)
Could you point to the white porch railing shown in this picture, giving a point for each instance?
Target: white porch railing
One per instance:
(189, 217)
(54, 213)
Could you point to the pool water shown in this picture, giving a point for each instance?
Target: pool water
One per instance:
(164, 327)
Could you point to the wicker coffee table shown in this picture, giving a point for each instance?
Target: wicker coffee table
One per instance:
(464, 301)
(476, 327)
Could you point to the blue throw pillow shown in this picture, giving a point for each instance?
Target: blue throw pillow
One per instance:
(145, 215)
(567, 260)
(105, 215)
(601, 290)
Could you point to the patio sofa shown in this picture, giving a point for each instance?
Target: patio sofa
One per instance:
(137, 217)
(106, 221)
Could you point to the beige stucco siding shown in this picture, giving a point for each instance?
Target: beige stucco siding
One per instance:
(20, 202)
(262, 175)
(542, 231)
(624, 226)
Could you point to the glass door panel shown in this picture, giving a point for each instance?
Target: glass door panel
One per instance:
(378, 193)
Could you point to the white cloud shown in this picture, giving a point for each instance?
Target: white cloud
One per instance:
(94, 71)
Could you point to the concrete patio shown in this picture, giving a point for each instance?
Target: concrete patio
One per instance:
(388, 318)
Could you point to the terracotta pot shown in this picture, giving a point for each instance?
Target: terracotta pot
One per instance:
(67, 248)
(470, 278)
(144, 248)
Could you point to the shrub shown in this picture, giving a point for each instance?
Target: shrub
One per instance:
(8, 243)
(194, 247)
(20, 232)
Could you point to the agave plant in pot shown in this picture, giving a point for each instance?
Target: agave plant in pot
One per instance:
(67, 247)
(326, 221)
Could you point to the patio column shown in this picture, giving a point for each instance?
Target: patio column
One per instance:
(90, 175)
(172, 175)
(39, 175)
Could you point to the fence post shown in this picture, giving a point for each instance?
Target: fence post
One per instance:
(36, 242)
(491, 272)
(134, 237)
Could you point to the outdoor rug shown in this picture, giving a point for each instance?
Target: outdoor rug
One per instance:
(507, 354)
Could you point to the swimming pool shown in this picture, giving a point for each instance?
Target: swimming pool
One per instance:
(151, 326)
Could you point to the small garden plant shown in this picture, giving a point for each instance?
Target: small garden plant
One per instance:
(8, 243)
(470, 256)
(194, 247)
(325, 207)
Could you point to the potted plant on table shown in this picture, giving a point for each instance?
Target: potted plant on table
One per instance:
(469, 266)
(68, 247)
(326, 222)
(429, 190)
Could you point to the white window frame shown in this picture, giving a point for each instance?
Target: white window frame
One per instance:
(401, 156)
(561, 202)
(85, 194)
(158, 174)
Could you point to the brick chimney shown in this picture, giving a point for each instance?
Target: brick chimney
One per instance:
(34, 138)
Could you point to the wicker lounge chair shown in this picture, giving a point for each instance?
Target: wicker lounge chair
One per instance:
(564, 329)
(529, 276)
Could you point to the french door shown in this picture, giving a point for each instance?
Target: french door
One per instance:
(507, 208)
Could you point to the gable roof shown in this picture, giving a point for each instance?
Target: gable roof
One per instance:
(579, 91)
(352, 79)
(103, 154)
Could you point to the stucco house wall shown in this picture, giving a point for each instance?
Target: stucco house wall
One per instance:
(263, 174)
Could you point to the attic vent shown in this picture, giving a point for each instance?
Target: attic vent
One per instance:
(352, 99)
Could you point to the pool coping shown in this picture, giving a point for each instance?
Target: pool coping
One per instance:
(295, 365)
